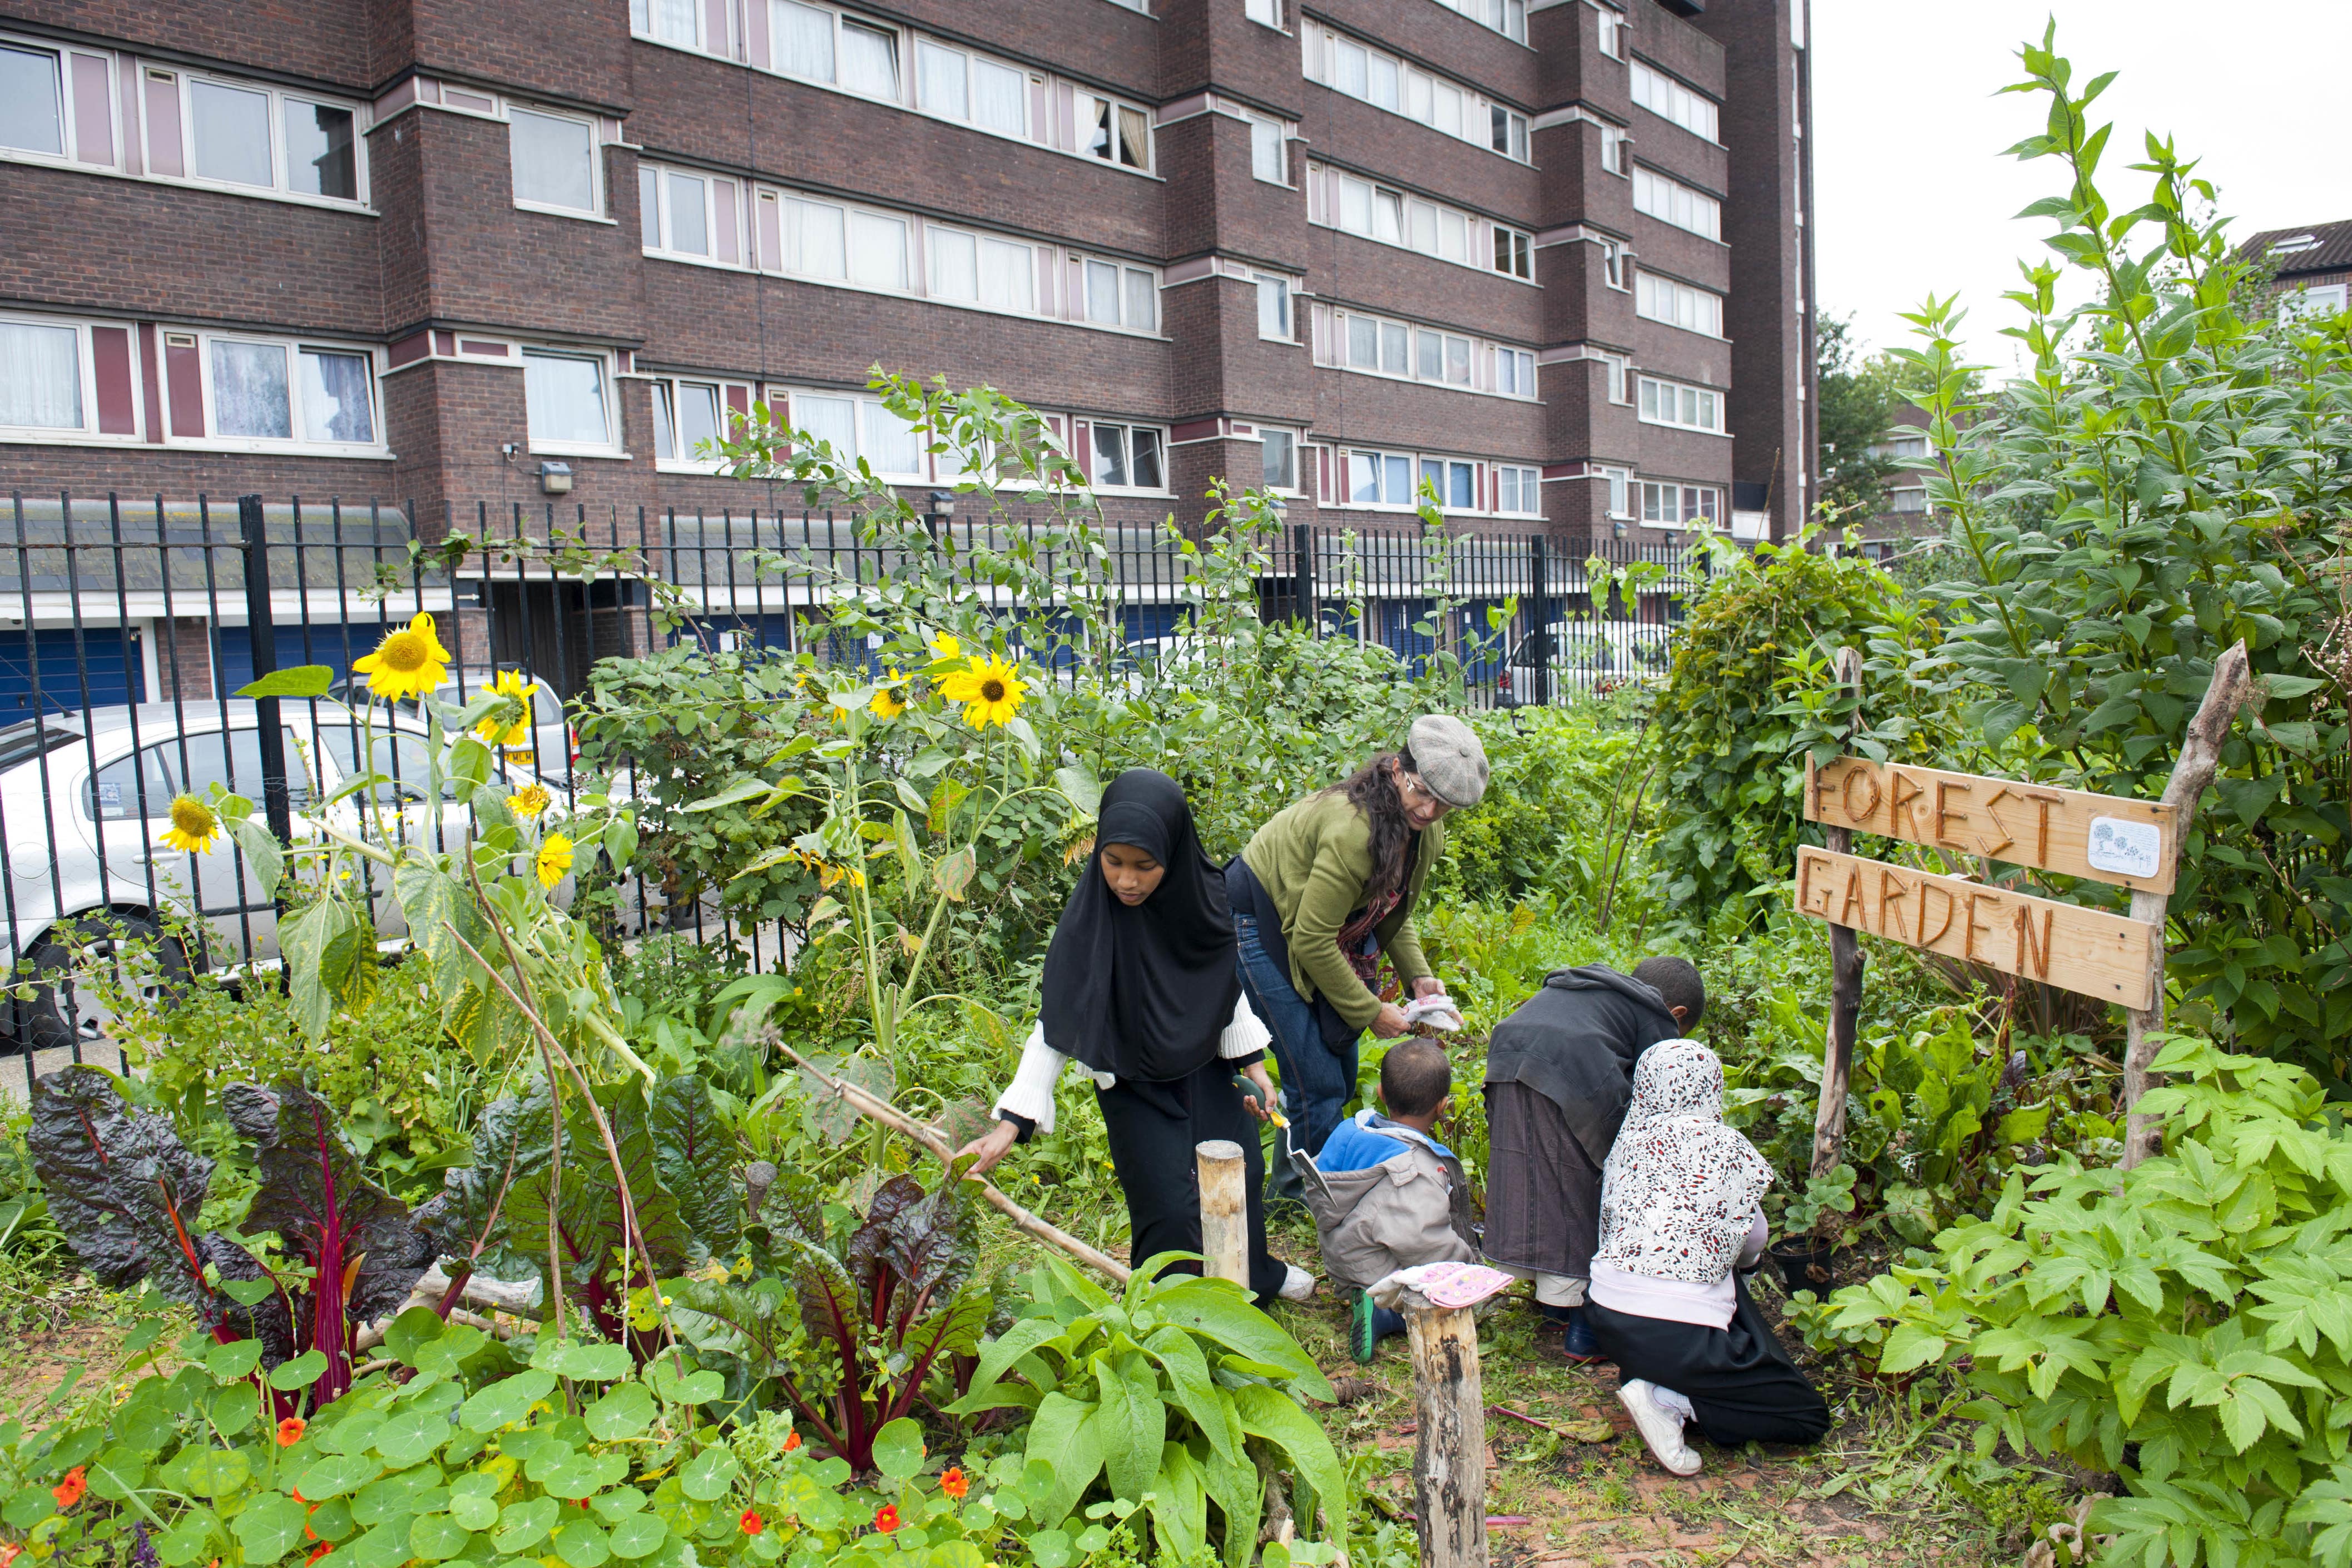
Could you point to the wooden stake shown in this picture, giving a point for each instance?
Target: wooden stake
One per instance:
(897, 1121)
(2233, 687)
(1449, 1465)
(1846, 974)
(1224, 1211)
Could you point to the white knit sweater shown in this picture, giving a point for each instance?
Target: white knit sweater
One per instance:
(1030, 1093)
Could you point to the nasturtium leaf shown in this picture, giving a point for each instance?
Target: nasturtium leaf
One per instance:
(698, 1387)
(410, 1332)
(473, 1509)
(506, 1401)
(583, 1545)
(229, 1363)
(28, 1507)
(437, 1537)
(637, 1534)
(331, 1519)
(409, 1491)
(269, 1527)
(1050, 1549)
(898, 1449)
(623, 1413)
(299, 1372)
(522, 1523)
(352, 1434)
(211, 1472)
(412, 1436)
(709, 1475)
(385, 1546)
(248, 1292)
(597, 1362)
(618, 1504)
(116, 1473)
(584, 1475)
(337, 1475)
(145, 1427)
(188, 1541)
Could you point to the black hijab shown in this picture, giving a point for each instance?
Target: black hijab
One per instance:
(1143, 993)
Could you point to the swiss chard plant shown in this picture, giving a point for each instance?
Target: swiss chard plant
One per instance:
(1179, 1394)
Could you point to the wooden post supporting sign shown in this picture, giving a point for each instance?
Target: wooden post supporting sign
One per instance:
(1845, 972)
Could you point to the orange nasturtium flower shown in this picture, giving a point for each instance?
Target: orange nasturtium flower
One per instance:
(68, 1491)
(752, 1523)
(792, 1441)
(885, 1518)
(955, 1483)
(290, 1430)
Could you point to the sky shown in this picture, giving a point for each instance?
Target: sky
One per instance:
(1912, 191)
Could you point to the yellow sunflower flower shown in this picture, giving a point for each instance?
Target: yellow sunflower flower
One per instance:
(407, 663)
(554, 861)
(194, 826)
(946, 647)
(887, 703)
(507, 684)
(529, 801)
(991, 690)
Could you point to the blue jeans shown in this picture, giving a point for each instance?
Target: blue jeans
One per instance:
(1317, 1082)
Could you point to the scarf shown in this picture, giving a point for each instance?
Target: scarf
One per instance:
(1679, 1190)
(1143, 993)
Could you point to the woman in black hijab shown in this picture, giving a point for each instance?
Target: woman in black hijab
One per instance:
(1141, 989)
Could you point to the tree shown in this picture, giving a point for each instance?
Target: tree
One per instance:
(1859, 398)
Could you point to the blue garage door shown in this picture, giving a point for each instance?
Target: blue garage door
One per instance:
(60, 658)
(335, 646)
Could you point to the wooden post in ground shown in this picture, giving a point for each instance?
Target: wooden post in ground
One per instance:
(1224, 1211)
(1449, 1464)
(2232, 687)
(1845, 974)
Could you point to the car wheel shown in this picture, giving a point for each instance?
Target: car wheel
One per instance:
(61, 1014)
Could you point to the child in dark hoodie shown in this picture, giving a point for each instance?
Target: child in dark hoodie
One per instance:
(1560, 1073)
(1386, 1195)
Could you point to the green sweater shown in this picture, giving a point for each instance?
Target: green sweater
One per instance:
(1312, 859)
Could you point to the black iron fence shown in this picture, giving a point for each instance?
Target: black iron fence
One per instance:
(126, 628)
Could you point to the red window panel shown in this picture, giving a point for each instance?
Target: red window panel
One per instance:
(755, 17)
(150, 381)
(716, 37)
(164, 123)
(722, 202)
(129, 72)
(738, 402)
(1041, 119)
(110, 352)
(768, 248)
(93, 111)
(1066, 121)
(184, 375)
(1082, 447)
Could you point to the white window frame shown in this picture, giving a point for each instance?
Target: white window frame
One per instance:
(1609, 26)
(1613, 267)
(611, 446)
(1617, 501)
(1417, 91)
(1690, 503)
(596, 212)
(1129, 428)
(1259, 124)
(1670, 201)
(1288, 289)
(663, 243)
(641, 25)
(1910, 500)
(1530, 485)
(1110, 158)
(1264, 13)
(183, 79)
(972, 59)
(2301, 301)
(1614, 158)
(1676, 102)
(1080, 310)
(667, 390)
(902, 51)
(1523, 370)
(86, 369)
(1298, 459)
(1650, 287)
(1618, 373)
(1508, 17)
(293, 348)
(863, 409)
(69, 138)
(1418, 466)
(980, 237)
(1660, 402)
(1522, 253)
(1325, 208)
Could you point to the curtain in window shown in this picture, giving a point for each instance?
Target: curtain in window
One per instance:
(1355, 70)
(1424, 228)
(1102, 293)
(32, 112)
(1007, 275)
(40, 376)
(1355, 206)
(1266, 152)
(939, 77)
(877, 251)
(1364, 476)
(955, 267)
(232, 133)
(674, 21)
(1000, 99)
(870, 60)
(1364, 342)
(1142, 301)
(249, 390)
(813, 240)
(564, 399)
(1134, 138)
(554, 161)
(1388, 217)
(1393, 347)
(804, 40)
(828, 419)
(335, 402)
(689, 223)
(891, 444)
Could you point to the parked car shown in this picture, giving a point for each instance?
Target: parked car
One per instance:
(1628, 650)
(548, 751)
(84, 801)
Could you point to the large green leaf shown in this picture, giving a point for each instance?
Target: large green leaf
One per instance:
(1220, 1310)
(1274, 1416)
(484, 1205)
(1238, 1489)
(1133, 1421)
(1064, 1436)
(1180, 1506)
(1194, 1389)
(433, 901)
(694, 1150)
(325, 948)
(294, 681)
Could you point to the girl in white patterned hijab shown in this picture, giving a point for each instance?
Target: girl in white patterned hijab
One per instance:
(1679, 1193)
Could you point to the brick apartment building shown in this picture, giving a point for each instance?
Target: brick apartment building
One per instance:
(2310, 268)
(1550, 253)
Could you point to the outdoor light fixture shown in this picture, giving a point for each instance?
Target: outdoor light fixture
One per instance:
(1617, 526)
(555, 478)
(943, 503)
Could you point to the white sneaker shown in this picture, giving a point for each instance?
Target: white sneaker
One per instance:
(1298, 1284)
(1659, 1428)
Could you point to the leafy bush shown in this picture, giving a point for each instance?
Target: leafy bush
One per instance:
(2182, 1324)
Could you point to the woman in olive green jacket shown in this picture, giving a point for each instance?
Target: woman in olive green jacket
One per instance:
(1322, 892)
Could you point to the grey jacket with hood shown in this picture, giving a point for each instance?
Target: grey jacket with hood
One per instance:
(1575, 1043)
(1410, 1210)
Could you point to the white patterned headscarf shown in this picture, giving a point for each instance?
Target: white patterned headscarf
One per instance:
(1679, 1193)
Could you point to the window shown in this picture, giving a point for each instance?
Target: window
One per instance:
(685, 415)
(1115, 132)
(1612, 33)
(1678, 304)
(338, 396)
(1612, 150)
(1272, 307)
(860, 428)
(1913, 448)
(1401, 86)
(1119, 296)
(1380, 479)
(1617, 377)
(804, 42)
(1620, 482)
(1612, 263)
(1456, 483)
(1267, 12)
(1508, 134)
(321, 158)
(870, 60)
(2310, 300)
(1908, 498)
(1514, 253)
(1269, 158)
(1508, 17)
(979, 92)
(1281, 458)
(239, 136)
(40, 377)
(1678, 505)
(1518, 489)
(671, 21)
(690, 215)
(1514, 372)
(554, 161)
(32, 101)
(979, 269)
(1128, 457)
(1662, 96)
(1686, 407)
(1677, 204)
(815, 239)
(877, 251)
(563, 397)
(228, 132)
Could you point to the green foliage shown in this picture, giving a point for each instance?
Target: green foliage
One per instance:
(2186, 1323)
(1858, 401)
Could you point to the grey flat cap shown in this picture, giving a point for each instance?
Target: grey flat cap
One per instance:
(1450, 760)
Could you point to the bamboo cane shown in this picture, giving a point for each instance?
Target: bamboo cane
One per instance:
(897, 1121)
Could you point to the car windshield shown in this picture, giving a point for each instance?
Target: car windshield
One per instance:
(20, 743)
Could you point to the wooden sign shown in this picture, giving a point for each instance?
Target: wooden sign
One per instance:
(2086, 951)
(2101, 837)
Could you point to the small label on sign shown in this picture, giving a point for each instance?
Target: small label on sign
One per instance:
(109, 794)
(2127, 849)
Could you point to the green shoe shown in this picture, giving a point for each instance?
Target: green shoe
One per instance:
(1362, 1340)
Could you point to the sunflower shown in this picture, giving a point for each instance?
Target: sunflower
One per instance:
(943, 646)
(193, 828)
(507, 684)
(887, 703)
(529, 801)
(991, 691)
(407, 663)
(554, 860)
